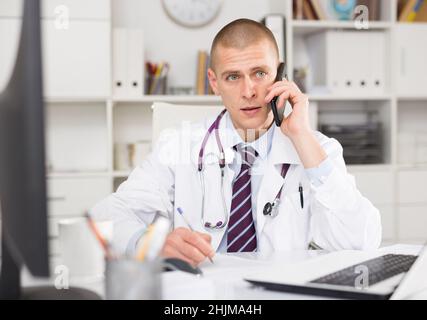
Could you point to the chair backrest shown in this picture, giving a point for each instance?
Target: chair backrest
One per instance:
(166, 115)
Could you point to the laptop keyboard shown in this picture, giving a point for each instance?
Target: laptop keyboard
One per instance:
(380, 269)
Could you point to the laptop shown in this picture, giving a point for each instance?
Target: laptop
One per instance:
(350, 275)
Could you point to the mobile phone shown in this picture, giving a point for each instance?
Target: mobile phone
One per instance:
(278, 117)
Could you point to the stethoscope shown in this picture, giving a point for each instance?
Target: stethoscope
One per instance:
(270, 208)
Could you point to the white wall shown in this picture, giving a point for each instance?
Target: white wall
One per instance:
(165, 40)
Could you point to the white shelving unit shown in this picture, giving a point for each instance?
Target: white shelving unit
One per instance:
(83, 128)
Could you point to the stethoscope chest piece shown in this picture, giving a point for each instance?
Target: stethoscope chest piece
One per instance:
(267, 209)
(271, 208)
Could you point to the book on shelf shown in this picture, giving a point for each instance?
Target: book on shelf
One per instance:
(414, 11)
(313, 10)
(277, 25)
(308, 10)
(407, 7)
(202, 81)
(333, 10)
(319, 9)
(374, 7)
(297, 6)
(421, 15)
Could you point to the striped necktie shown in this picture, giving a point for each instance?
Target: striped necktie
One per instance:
(241, 233)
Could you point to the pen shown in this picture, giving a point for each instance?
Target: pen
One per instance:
(189, 225)
(98, 236)
(301, 196)
(142, 250)
(153, 240)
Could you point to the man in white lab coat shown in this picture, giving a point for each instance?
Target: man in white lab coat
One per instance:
(300, 171)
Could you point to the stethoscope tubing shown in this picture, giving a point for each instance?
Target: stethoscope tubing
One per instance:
(270, 208)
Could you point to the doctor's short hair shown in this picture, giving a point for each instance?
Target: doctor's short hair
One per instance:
(240, 34)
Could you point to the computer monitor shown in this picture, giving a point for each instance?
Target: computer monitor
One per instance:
(22, 170)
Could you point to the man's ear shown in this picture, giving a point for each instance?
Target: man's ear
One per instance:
(213, 81)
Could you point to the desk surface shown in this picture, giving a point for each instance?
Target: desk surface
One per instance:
(224, 278)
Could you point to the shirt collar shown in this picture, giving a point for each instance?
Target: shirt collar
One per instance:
(262, 145)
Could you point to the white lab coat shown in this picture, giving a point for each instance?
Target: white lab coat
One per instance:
(335, 215)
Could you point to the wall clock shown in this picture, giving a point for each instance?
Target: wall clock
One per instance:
(192, 13)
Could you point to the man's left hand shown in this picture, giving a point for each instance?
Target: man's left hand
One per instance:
(297, 125)
(298, 121)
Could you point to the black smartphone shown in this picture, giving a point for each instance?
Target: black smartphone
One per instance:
(278, 117)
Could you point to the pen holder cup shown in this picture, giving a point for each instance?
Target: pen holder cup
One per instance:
(127, 279)
(80, 251)
(156, 85)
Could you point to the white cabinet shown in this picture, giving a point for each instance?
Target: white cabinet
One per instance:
(412, 187)
(411, 62)
(76, 9)
(74, 197)
(11, 8)
(76, 61)
(77, 137)
(388, 221)
(413, 223)
(73, 9)
(412, 207)
(378, 187)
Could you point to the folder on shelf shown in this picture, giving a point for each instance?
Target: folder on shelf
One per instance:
(331, 53)
(376, 77)
(277, 24)
(135, 65)
(119, 61)
(128, 63)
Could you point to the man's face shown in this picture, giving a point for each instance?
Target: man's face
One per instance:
(241, 78)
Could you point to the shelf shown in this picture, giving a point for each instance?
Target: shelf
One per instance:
(170, 98)
(411, 23)
(369, 167)
(216, 99)
(422, 167)
(121, 174)
(332, 97)
(304, 27)
(412, 98)
(78, 174)
(76, 99)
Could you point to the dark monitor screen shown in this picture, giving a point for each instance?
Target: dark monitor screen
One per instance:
(22, 161)
(23, 201)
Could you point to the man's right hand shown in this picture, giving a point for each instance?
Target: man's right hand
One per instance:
(190, 246)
